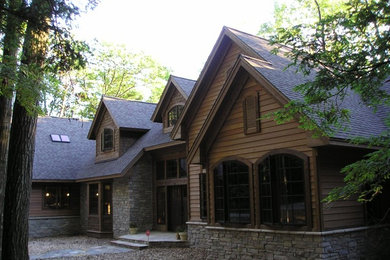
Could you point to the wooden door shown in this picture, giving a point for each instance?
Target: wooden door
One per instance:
(177, 206)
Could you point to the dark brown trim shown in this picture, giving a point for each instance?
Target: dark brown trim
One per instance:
(306, 165)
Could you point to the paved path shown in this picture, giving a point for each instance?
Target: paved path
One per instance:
(78, 252)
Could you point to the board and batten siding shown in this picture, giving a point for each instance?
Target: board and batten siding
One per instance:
(36, 202)
(107, 122)
(231, 140)
(212, 93)
(345, 213)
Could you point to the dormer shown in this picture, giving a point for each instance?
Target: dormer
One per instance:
(172, 101)
(117, 125)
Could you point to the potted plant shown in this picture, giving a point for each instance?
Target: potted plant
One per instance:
(182, 233)
(133, 228)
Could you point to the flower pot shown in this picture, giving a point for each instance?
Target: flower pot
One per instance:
(133, 231)
(183, 236)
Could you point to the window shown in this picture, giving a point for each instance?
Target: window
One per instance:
(60, 138)
(182, 167)
(93, 199)
(160, 205)
(107, 141)
(251, 108)
(171, 169)
(282, 190)
(160, 170)
(174, 114)
(231, 193)
(203, 195)
(56, 197)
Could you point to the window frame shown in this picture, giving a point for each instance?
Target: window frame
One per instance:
(226, 221)
(103, 140)
(307, 191)
(62, 201)
(175, 111)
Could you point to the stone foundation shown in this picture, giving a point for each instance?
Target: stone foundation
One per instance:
(53, 226)
(235, 243)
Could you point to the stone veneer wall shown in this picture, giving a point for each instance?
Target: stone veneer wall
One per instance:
(121, 206)
(232, 243)
(53, 226)
(141, 194)
(132, 198)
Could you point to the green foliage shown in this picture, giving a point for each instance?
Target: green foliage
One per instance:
(349, 52)
(112, 71)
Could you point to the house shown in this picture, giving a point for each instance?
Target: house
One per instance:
(244, 187)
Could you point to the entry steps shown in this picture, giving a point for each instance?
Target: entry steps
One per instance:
(156, 239)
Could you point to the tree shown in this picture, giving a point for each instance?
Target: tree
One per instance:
(44, 23)
(288, 13)
(114, 71)
(349, 50)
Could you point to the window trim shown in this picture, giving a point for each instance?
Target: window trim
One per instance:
(251, 193)
(306, 177)
(59, 190)
(178, 114)
(102, 140)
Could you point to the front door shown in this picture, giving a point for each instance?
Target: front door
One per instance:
(177, 206)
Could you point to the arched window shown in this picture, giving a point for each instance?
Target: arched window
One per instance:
(231, 193)
(107, 139)
(282, 190)
(174, 114)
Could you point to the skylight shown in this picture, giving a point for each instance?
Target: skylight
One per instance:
(60, 138)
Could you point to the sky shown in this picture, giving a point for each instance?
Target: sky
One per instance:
(179, 34)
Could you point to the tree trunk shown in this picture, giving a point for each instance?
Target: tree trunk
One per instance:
(20, 164)
(22, 137)
(8, 72)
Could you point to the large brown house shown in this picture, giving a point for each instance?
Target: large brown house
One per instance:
(201, 157)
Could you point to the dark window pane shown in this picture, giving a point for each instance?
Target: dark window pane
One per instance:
(160, 205)
(282, 190)
(107, 199)
(93, 199)
(51, 197)
(160, 173)
(65, 197)
(231, 191)
(107, 139)
(182, 167)
(171, 169)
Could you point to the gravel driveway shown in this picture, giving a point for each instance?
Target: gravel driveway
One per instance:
(40, 248)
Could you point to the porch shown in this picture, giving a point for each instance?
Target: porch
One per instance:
(157, 239)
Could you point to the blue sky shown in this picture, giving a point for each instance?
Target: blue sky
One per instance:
(178, 33)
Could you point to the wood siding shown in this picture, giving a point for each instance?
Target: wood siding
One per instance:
(36, 202)
(339, 214)
(212, 93)
(176, 99)
(107, 122)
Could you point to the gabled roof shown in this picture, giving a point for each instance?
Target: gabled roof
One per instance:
(272, 68)
(57, 160)
(125, 114)
(182, 85)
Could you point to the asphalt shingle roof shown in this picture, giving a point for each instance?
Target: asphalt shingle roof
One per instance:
(185, 84)
(61, 161)
(364, 122)
(130, 114)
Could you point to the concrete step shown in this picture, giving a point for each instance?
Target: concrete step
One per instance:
(132, 245)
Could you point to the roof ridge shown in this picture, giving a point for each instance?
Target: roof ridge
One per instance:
(68, 118)
(130, 100)
(174, 76)
(259, 37)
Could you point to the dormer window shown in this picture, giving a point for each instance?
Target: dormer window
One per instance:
(174, 114)
(107, 139)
